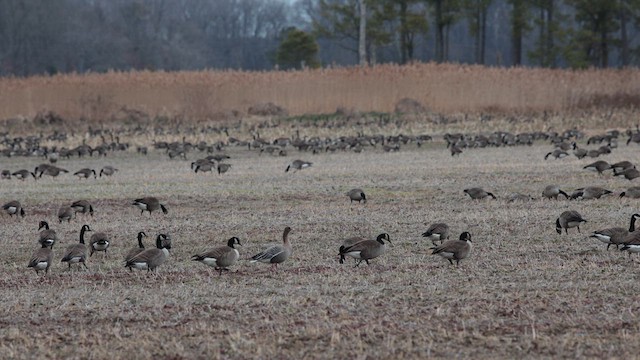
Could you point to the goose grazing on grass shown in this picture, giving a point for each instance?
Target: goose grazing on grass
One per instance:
(590, 192)
(616, 235)
(437, 232)
(149, 204)
(41, 259)
(48, 236)
(135, 251)
(365, 250)
(276, 254)
(83, 207)
(298, 165)
(150, 259)
(222, 257)
(223, 168)
(357, 195)
(454, 249)
(52, 171)
(66, 213)
(85, 173)
(77, 253)
(557, 154)
(569, 219)
(13, 208)
(552, 192)
(629, 174)
(632, 192)
(108, 171)
(23, 174)
(598, 166)
(477, 193)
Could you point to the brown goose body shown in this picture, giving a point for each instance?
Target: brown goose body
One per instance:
(276, 254)
(66, 213)
(598, 166)
(298, 165)
(222, 257)
(477, 193)
(13, 208)
(616, 235)
(85, 173)
(99, 242)
(150, 259)
(552, 192)
(82, 207)
(454, 249)
(149, 204)
(135, 251)
(629, 174)
(108, 171)
(47, 236)
(357, 195)
(52, 171)
(569, 219)
(23, 174)
(437, 232)
(365, 250)
(41, 259)
(77, 253)
(632, 192)
(590, 193)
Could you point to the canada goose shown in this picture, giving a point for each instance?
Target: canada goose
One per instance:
(221, 257)
(632, 192)
(437, 232)
(616, 235)
(47, 236)
(150, 259)
(349, 242)
(622, 165)
(99, 242)
(519, 197)
(357, 195)
(202, 165)
(41, 259)
(135, 251)
(552, 191)
(299, 165)
(365, 250)
(14, 208)
(149, 204)
(455, 150)
(478, 193)
(5, 174)
(23, 174)
(569, 219)
(77, 253)
(276, 254)
(557, 154)
(108, 170)
(82, 206)
(223, 168)
(590, 192)
(52, 171)
(454, 249)
(66, 213)
(85, 173)
(579, 152)
(629, 173)
(598, 166)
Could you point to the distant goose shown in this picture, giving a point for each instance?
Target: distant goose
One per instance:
(622, 165)
(14, 208)
(552, 192)
(515, 197)
(222, 257)
(23, 174)
(52, 171)
(85, 173)
(108, 171)
(455, 150)
(83, 207)
(150, 259)
(202, 165)
(276, 254)
(567, 220)
(477, 193)
(99, 242)
(5, 174)
(632, 192)
(357, 195)
(149, 204)
(629, 173)
(47, 236)
(135, 251)
(454, 249)
(365, 250)
(590, 192)
(223, 168)
(41, 259)
(557, 154)
(66, 213)
(616, 235)
(298, 165)
(77, 253)
(437, 232)
(598, 166)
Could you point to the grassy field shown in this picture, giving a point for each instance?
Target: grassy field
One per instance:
(524, 292)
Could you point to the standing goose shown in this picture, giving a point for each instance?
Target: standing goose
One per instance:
(223, 168)
(83, 207)
(454, 249)
(437, 232)
(41, 259)
(66, 213)
(350, 242)
(567, 220)
(135, 251)
(632, 192)
(552, 192)
(149, 204)
(365, 250)
(108, 171)
(616, 235)
(299, 165)
(276, 254)
(598, 166)
(85, 173)
(221, 257)
(150, 259)
(77, 253)
(14, 208)
(47, 236)
(357, 195)
(99, 242)
(477, 193)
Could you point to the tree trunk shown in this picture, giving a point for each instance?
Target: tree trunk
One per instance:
(483, 33)
(439, 32)
(550, 33)
(517, 30)
(403, 32)
(624, 38)
(362, 39)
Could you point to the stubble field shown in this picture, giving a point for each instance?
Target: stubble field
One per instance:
(524, 292)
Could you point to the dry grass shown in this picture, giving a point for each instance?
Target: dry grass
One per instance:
(219, 94)
(524, 292)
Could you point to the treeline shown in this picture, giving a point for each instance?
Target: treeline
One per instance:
(51, 36)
